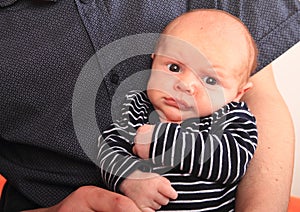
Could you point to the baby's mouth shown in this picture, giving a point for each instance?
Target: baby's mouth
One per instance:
(177, 103)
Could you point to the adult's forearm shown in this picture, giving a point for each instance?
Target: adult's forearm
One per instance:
(267, 183)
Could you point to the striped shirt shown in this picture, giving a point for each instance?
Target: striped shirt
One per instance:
(204, 158)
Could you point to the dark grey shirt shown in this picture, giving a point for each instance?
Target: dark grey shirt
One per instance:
(44, 46)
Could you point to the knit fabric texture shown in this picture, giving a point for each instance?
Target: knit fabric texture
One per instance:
(45, 45)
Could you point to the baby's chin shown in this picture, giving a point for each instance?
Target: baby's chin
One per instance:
(170, 117)
(176, 118)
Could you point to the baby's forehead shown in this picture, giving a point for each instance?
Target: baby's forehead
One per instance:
(182, 51)
(192, 56)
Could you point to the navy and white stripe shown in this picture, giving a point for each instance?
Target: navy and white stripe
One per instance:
(204, 158)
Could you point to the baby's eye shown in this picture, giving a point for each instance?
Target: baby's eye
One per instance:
(174, 67)
(210, 80)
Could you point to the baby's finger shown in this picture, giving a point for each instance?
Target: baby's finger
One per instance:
(168, 191)
(147, 210)
(151, 206)
(161, 199)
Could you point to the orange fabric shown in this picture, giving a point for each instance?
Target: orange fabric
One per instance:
(294, 205)
(2, 181)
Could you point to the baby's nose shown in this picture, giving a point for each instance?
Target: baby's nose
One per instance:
(186, 87)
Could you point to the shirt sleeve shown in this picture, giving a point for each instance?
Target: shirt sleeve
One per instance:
(217, 148)
(115, 157)
(274, 25)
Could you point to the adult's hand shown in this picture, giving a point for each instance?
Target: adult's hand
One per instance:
(92, 198)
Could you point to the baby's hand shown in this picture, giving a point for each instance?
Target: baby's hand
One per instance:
(148, 190)
(142, 141)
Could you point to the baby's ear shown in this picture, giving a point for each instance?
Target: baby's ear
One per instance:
(242, 91)
(152, 56)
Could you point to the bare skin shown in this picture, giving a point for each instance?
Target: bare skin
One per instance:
(91, 198)
(142, 141)
(149, 190)
(269, 175)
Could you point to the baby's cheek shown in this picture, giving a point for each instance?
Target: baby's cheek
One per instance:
(216, 98)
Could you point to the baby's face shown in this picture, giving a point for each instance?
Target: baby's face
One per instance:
(185, 84)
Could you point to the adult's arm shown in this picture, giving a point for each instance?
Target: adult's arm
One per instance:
(267, 183)
(91, 198)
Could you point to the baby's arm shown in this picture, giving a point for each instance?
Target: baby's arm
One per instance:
(120, 168)
(120, 171)
(217, 148)
(148, 190)
(115, 158)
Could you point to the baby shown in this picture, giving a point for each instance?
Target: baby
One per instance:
(197, 150)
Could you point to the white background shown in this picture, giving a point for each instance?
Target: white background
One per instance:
(287, 74)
